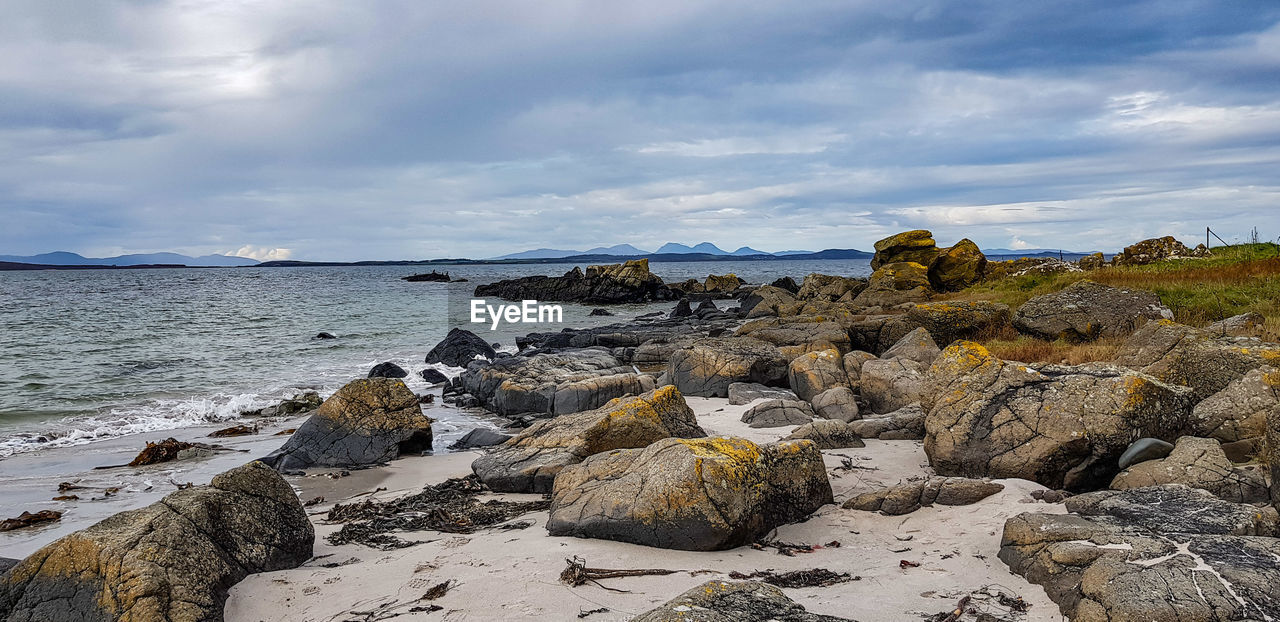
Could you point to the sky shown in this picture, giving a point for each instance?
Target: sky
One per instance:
(412, 130)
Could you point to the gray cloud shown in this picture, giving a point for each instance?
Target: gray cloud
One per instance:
(403, 130)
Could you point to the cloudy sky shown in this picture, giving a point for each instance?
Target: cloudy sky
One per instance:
(392, 130)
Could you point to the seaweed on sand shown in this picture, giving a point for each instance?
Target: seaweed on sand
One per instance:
(451, 506)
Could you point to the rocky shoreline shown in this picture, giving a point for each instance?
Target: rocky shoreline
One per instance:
(834, 449)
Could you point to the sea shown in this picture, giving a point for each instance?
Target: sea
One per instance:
(90, 355)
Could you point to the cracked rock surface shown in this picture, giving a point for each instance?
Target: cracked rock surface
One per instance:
(1199, 463)
(690, 494)
(172, 560)
(890, 384)
(814, 372)
(1159, 554)
(911, 496)
(366, 422)
(828, 434)
(917, 345)
(552, 383)
(1086, 310)
(1239, 412)
(1188, 356)
(530, 461)
(778, 413)
(707, 368)
(1060, 426)
(726, 601)
(906, 423)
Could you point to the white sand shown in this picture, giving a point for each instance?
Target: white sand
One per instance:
(513, 575)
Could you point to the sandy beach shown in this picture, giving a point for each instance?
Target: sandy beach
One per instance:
(501, 574)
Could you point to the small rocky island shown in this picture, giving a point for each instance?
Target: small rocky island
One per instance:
(833, 449)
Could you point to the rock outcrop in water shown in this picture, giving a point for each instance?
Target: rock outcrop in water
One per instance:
(460, 347)
(607, 284)
(174, 560)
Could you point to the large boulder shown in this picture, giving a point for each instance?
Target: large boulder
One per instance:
(853, 363)
(957, 267)
(1158, 554)
(690, 494)
(706, 368)
(1250, 324)
(769, 301)
(917, 345)
(175, 559)
(1061, 426)
(890, 384)
(796, 335)
(722, 284)
(387, 370)
(778, 413)
(1239, 412)
(722, 601)
(747, 392)
(366, 422)
(530, 461)
(825, 287)
(910, 496)
(906, 423)
(877, 333)
(828, 434)
(948, 321)
(605, 284)
(1085, 311)
(895, 283)
(1198, 463)
(552, 383)
(1188, 356)
(460, 347)
(815, 372)
(1157, 249)
(914, 246)
(838, 403)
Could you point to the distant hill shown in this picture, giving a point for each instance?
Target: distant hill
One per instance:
(540, 253)
(747, 250)
(64, 258)
(616, 249)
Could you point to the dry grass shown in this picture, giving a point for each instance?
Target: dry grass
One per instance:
(1008, 344)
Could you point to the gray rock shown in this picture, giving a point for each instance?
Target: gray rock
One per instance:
(839, 404)
(459, 348)
(1144, 449)
(723, 601)
(949, 321)
(824, 287)
(1183, 355)
(1239, 412)
(1243, 325)
(690, 494)
(387, 370)
(531, 461)
(890, 384)
(778, 413)
(1272, 453)
(853, 365)
(479, 437)
(906, 423)
(552, 383)
(1085, 311)
(911, 496)
(796, 335)
(172, 560)
(1199, 463)
(682, 309)
(706, 368)
(603, 284)
(814, 372)
(746, 392)
(828, 434)
(433, 376)
(917, 345)
(366, 422)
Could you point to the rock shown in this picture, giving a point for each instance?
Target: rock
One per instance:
(172, 560)
(769, 301)
(957, 267)
(1272, 453)
(235, 430)
(906, 423)
(1085, 311)
(1183, 355)
(853, 363)
(366, 422)
(918, 346)
(301, 403)
(1062, 426)
(598, 312)
(895, 283)
(828, 434)
(1025, 266)
(706, 308)
(778, 413)
(552, 383)
(747, 392)
(698, 495)
(1239, 412)
(890, 384)
(786, 283)
(433, 376)
(707, 368)
(682, 309)
(878, 333)
(1142, 450)
(479, 437)
(6, 563)
(1243, 325)
(814, 372)
(1095, 261)
(28, 519)
(324, 336)
(725, 284)
(911, 496)
(605, 284)
(1153, 250)
(914, 246)
(531, 461)
(797, 335)
(830, 288)
(1198, 463)
(459, 348)
(387, 370)
(164, 451)
(722, 601)
(1159, 554)
(949, 321)
(838, 403)
(427, 277)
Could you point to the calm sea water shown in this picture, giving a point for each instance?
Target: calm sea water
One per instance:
(89, 355)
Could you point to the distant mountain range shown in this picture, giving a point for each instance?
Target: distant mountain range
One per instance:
(670, 248)
(63, 258)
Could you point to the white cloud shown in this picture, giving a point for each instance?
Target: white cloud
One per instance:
(260, 253)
